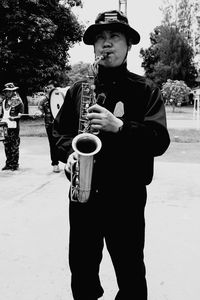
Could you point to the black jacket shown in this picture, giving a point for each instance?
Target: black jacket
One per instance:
(127, 157)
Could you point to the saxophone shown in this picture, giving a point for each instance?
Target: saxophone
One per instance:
(86, 144)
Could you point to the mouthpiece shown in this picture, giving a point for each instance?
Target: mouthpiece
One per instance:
(102, 56)
(99, 58)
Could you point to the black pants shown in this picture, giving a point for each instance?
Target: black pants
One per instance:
(11, 147)
(121, 225)
(52, 145)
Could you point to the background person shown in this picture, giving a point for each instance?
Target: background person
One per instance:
(12, 107)
(132, 129)
(44, 107)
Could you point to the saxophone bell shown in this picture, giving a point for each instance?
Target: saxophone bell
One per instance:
(86, 145)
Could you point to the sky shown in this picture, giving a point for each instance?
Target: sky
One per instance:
(143, 15)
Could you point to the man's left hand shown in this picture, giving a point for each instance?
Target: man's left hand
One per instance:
(102, 119)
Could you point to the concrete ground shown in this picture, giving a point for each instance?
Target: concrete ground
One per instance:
(34, 230)
(185, 124)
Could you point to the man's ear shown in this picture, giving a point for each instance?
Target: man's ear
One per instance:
(129, 47)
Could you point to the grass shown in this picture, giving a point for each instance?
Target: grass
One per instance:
(35, 127)
(182, 135)
(184, 147)
(180, 113)
(32, 127)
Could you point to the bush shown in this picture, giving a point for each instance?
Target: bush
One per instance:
(175, 92)
(35, 99)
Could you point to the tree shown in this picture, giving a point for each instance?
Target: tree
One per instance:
(184, 18)
(168, 11)
(168, 57)
(35, 36)
(182, 14)
(78, 71)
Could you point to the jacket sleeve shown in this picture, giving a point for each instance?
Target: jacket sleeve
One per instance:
(155, 124)
(21, 108)
(149, 137)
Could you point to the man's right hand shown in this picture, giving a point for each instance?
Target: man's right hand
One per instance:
(70, 162)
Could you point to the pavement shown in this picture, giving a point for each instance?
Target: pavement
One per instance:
(184, 124)
(34, 230)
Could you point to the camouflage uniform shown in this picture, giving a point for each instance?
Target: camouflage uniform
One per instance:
(11, 146)
(12, 140)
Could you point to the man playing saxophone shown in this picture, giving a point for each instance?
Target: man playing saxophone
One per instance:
(131, 125)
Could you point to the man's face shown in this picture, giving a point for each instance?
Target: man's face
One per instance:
(114, 44)
(10, 94)
(48, 88)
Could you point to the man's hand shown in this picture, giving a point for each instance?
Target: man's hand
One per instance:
(71, 160)
(38, 114)
(13, 118)
(102, 119)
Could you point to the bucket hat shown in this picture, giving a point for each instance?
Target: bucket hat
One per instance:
(114, 20)
(10, 87)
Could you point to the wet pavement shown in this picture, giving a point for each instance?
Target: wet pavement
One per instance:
(34, 230)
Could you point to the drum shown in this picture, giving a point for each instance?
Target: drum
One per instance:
(57, 97)
(3, 130)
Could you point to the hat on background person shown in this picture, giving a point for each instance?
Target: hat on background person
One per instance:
(10, 87)
(114, 20)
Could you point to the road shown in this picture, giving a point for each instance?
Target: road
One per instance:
(34, 230)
